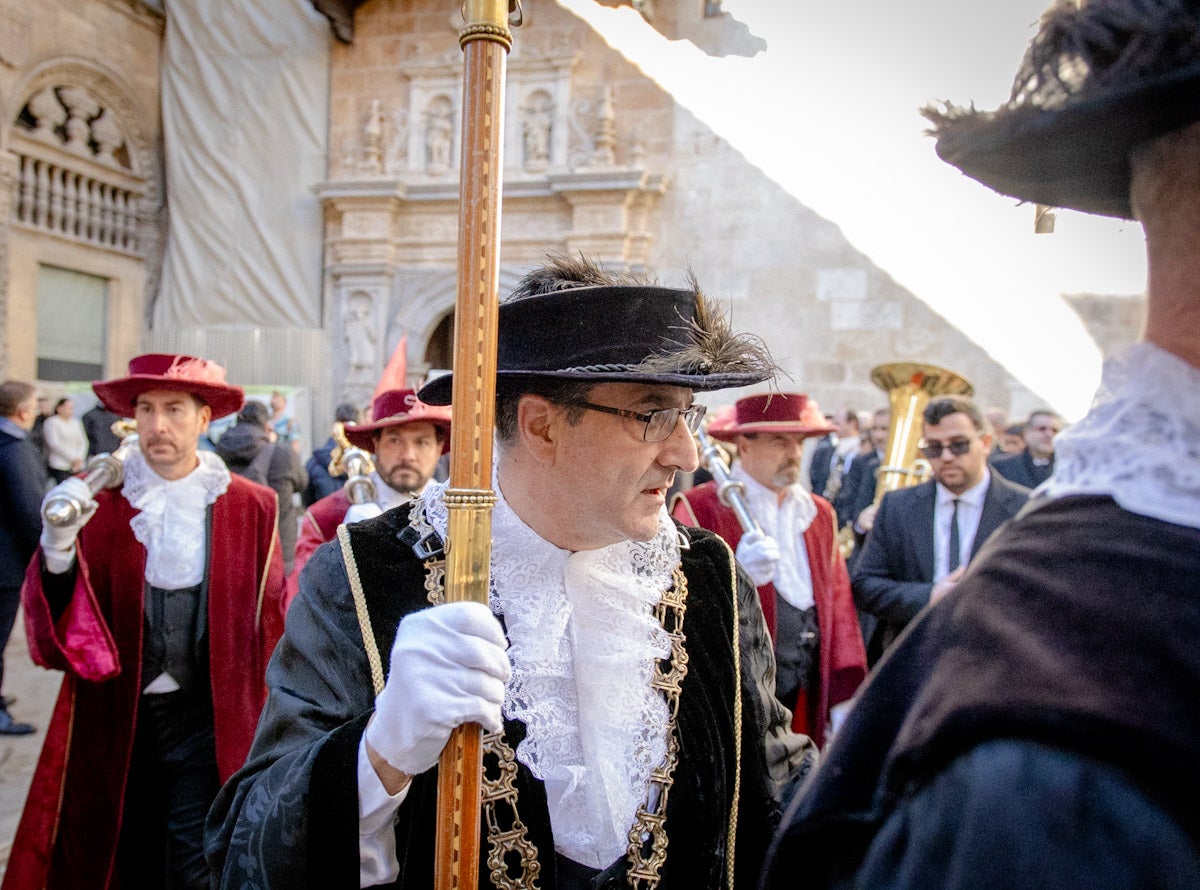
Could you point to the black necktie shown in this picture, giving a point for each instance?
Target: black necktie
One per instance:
(955, 543)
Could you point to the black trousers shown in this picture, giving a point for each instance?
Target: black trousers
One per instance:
(10, 600)
(172, 784)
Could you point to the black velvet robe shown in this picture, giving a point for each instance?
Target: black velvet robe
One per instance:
(1037, 728)
(289, 818)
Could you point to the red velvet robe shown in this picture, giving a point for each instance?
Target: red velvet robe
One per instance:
(69, 830)
(320, 525)
(843, 659)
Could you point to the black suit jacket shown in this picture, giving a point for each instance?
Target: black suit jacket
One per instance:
(22, 484)
(1020, 469)
(893, 577)
(818, 470)
(857, 491)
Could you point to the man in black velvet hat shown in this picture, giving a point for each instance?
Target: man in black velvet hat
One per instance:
(1038, 727)
(622, 667)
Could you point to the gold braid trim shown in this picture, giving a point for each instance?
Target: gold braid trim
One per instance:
(648, 836)
(360, 610)
(731, 842)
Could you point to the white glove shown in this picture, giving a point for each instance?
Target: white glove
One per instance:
(359, 512)
(58, 541)
(448, 668)
(759, 555)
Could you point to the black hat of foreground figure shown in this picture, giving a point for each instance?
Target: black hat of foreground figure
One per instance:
(569, 321)
(1100, 78)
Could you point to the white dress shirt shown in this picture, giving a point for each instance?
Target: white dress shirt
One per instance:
(970, 510)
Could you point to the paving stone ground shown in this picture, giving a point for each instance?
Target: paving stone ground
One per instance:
(35, 690)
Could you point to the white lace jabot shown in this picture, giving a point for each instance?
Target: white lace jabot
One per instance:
(583, 641)
(171, 524)
(1140, 442)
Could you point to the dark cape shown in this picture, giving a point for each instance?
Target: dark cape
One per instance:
(1035, 722)
(289, 818)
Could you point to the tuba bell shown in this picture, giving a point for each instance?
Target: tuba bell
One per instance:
(910, 386)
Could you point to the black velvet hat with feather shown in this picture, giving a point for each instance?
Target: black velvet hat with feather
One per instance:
(572, 320)
(1101, 77)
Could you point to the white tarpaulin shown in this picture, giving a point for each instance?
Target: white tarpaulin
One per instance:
(245, 103)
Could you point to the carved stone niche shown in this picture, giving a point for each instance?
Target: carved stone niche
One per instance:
(434, 122)
(537, 123)
(358, 324)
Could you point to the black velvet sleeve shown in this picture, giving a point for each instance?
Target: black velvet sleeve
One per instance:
(289, 817)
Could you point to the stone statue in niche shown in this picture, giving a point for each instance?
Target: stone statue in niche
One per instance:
(536, 124)
(438, 142)
(372, 161)
(360, 337)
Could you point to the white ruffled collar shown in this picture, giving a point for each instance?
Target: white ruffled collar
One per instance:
(171, 521)
(584, 642)
(1140, 442)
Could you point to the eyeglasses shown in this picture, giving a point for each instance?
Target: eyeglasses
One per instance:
(660, 423)
(933, 450)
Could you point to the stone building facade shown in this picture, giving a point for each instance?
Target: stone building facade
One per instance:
(81, 191)
(598, 159)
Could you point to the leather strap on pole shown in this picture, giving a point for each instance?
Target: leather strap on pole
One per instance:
(485, 40)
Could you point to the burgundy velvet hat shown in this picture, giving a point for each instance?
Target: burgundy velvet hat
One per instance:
(202, 378)
(773, 413)
(396, 407)
(1100, 78)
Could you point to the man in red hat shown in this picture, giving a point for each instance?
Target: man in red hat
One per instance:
(161, 602)
(793, 557)
(406, 437)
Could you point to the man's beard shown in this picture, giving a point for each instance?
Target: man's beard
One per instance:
(788, 474)
(397, 476)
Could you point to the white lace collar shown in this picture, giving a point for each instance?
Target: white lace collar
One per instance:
(1140, 442)
(583, 641)
(171, 524)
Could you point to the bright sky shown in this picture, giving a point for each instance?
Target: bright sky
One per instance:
(829, 111)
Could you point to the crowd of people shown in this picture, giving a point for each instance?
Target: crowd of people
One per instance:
(786, 674)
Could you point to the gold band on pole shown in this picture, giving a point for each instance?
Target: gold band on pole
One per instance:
(485, 41)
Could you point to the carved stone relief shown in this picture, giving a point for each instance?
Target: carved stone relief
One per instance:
(69, 117)
(537, 125)
(438, 123)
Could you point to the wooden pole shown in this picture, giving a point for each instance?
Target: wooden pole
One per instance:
(485, 40)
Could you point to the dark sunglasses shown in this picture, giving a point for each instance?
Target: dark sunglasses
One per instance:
(933, 450)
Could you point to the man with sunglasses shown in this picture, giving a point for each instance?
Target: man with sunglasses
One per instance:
(924, 536)
(622, 667)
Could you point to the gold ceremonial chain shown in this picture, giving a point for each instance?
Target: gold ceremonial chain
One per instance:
(646, 857)
(508, 846)
(506, 843)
